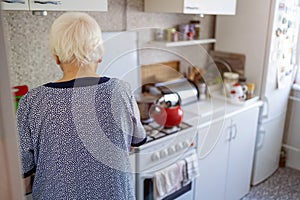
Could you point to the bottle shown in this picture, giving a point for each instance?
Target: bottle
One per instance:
(202, 91)
(197, 28)
(242, 82)
(250, 92)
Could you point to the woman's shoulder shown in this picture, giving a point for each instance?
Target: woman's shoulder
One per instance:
(33, 93)
(121, 84)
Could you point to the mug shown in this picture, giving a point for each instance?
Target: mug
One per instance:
(238, 92)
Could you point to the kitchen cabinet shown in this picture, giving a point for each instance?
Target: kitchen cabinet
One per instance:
(212, 162)
(14, 5)
(55, 5)
(241, 153)
(226, 166)
(211, 7)
(71, 5)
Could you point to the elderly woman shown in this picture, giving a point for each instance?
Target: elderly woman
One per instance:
(76, 132)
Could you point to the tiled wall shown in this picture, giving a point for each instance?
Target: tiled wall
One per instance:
(27, 36)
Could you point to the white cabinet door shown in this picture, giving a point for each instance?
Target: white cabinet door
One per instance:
(211, 7)
(69, 5)
(214, 7)
(213, 153)
(14, 5)
(241, 153)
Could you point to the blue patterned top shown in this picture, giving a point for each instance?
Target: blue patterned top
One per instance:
(76, 136)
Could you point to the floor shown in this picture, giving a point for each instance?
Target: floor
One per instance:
(283, 185)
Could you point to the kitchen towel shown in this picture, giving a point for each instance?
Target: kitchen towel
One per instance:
(168, 180)
(192, 168)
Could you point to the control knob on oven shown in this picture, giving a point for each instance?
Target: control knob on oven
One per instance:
(163, 153)
(178, 147)
(186, 144)
(171, 150)
(155, 156)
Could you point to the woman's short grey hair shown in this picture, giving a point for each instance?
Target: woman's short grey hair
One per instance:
(76, 36)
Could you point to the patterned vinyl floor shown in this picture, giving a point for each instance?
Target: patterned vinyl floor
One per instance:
(284, 184)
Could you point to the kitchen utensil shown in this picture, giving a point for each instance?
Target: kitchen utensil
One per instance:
(238, 92)
(167, 110)
(145, 101)
(230, 79)
(229, 62)
(167, 116)
(186, 90)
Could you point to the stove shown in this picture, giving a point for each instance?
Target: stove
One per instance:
(155, 131)
(164, 148)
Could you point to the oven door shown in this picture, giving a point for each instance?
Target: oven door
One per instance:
(145, 188)
(146, 191)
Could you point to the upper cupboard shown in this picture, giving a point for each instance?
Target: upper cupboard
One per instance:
(55, 5)
(210, 7)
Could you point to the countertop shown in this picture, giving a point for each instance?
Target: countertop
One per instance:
(203, 113)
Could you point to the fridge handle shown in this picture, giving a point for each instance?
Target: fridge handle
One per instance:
(265, 113)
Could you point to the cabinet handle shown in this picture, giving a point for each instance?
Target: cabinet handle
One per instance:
(234, 132)
(294, 98)
(191, 8)
(48, 2)
(265, 106)
(229, 137)
(13, 1)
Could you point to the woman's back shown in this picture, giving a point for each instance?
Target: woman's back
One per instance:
(76, 137)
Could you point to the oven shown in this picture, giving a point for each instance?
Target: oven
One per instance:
(165, 149)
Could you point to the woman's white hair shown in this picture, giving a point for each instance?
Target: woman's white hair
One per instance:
(76, 36)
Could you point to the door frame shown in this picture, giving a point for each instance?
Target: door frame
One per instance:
(11, 185)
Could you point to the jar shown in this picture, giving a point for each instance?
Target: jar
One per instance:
(196, 24)
(170, 34)
(250, 93)
(230, 79)
(159, 35)
(183, 30)
(202, 91)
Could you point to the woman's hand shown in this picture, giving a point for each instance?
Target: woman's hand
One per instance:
(28, 184)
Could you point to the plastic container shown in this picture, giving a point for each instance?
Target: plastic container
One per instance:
(250, 92)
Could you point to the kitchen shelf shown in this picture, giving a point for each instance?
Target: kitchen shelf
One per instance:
(183, 43)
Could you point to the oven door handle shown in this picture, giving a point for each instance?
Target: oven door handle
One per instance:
(147, 176)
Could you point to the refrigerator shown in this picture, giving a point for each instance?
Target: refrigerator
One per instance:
(266, 31)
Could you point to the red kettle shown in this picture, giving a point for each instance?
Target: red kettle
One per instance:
(167, 111)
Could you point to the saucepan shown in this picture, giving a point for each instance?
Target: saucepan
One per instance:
(145, 102)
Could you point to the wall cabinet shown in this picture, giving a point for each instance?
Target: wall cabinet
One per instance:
(14, 5)
(211, 7)
(226, 166)
(55, 5)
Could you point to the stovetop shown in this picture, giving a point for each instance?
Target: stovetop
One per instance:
(155, 131)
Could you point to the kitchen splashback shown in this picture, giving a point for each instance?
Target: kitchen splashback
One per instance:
(27, 36)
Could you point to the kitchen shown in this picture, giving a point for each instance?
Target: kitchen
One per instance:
(34, 66)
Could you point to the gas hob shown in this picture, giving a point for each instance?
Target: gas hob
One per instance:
(155, 131)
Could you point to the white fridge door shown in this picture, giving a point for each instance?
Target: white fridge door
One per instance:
(281, 55)
(268, 145)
